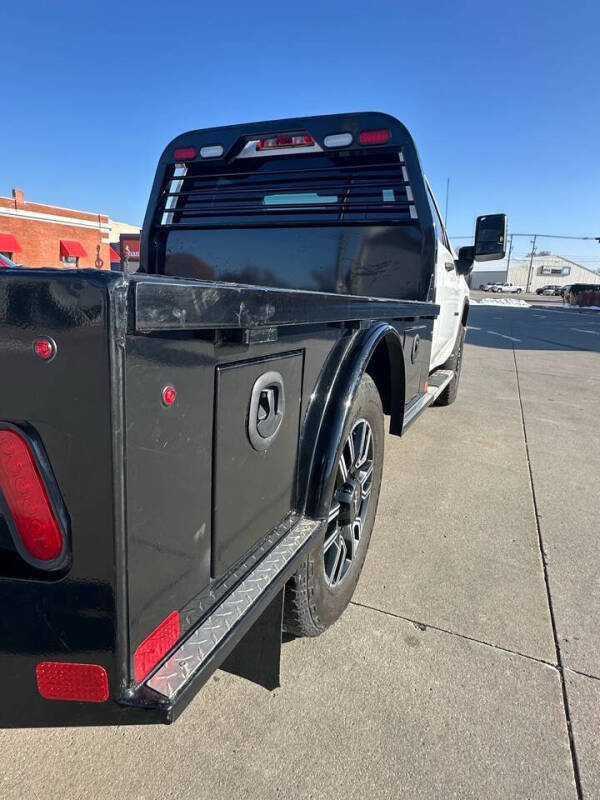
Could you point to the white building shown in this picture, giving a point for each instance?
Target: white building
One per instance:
(543, 271)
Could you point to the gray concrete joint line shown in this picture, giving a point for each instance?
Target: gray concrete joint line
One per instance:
(583, 674)
(423, 626)
(559, 661)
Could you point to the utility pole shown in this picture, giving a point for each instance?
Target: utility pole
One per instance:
(446, 209)
(531, 262)
(509, 252)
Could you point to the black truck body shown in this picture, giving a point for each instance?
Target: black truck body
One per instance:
(136, 398)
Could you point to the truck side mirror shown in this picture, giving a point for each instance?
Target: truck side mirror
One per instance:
(466, 256)
(490, 237)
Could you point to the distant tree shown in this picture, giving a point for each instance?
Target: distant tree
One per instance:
(539, 253)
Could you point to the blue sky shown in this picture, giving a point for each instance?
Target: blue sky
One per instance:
(502, 98)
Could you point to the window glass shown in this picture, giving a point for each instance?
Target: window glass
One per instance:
(437, 219)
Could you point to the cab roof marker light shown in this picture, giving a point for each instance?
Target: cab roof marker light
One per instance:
(211, 151)
(381, 136)
(338, 140)
(184, 153)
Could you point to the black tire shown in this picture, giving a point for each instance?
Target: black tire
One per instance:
(450, 393)
(519, 291)
(312, 603)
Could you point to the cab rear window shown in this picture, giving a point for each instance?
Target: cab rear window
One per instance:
(346, 189)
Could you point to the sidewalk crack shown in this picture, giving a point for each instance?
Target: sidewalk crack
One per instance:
(425, 625)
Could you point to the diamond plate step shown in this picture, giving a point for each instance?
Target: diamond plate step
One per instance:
(172, 676)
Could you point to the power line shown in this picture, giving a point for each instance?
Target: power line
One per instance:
(543, 236)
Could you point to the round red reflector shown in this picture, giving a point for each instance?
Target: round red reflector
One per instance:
(184, 153)
(44, 348)
(169, 395)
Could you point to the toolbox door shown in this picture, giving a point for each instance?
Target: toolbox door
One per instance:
(257, 416)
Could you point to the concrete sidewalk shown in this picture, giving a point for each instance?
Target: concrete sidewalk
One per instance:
(472, 644)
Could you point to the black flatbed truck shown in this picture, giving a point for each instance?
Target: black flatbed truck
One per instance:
(189, 464)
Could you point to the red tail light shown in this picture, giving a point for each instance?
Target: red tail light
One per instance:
(297, 140)
(27, 500)
(184, 153)
(57, 680)
(374, 137)
(155, 646)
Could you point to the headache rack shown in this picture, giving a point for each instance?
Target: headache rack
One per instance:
(320, 189)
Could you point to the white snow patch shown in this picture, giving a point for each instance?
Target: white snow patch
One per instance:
(578, 308)
(502, 301)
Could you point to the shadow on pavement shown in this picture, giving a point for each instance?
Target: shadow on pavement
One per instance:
(532, 329)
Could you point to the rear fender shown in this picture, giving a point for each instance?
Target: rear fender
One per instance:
(377, 351)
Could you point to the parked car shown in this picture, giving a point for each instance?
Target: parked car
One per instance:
(488, 287)
(508, 287)
(573, 293)
(191, 455)
(550, 289)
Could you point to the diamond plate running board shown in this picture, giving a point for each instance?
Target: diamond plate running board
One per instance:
(172, 676)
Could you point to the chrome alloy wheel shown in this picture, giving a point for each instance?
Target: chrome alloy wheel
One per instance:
(350, 503)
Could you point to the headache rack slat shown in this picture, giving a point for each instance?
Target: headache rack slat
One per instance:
(361, 191)
(294, 209)
(383, 184)
(295, 170)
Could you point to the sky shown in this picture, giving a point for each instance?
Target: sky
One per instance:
(502, 99)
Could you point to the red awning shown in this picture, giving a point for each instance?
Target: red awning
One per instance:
(8, 244)
(71, 247)
(114, 256)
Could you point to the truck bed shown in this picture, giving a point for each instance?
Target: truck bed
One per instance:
(172, 514)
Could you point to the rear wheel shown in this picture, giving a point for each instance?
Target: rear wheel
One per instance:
(319, 592)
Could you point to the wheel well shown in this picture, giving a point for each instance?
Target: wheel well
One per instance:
(379, 369)
(386, 368)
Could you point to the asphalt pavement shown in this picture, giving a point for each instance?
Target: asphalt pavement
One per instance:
(468, 664)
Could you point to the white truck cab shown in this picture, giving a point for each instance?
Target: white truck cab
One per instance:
(451, 292)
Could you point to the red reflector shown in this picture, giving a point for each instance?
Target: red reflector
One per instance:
(184, 153)
(155, 646)
(169, 395)
(26, 498)
(299, 140)
(374, 137)
(59, 681)
(44, 347)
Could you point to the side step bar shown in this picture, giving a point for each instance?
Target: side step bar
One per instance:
(228, 622)
(438, 381)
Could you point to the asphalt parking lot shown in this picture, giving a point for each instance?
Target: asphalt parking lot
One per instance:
(468, 664)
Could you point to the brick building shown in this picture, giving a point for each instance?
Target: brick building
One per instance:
(39, 235)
